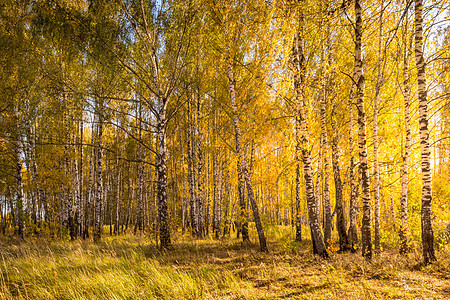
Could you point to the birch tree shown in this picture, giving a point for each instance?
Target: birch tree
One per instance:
(301, 107)
(362, 144)
(405, 157)
(427, 229)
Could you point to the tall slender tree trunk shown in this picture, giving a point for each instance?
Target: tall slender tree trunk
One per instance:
(352, 230)
(68, 192)
(118, 184)
(405, 164)
(227, 198)
(362, 144)
(2, 215)
(376, 169)
(163, 216)
(427, 229)
(298, 61)
(14, 214)
(117, 209)
(19, 192)
(298, 219)
(340, 217)
(208, 197)
(72, 190)
(99, 180)
(130, 196)
(326, 185)
(34, 175)
(200, 195)
(77, 206)
(108, 212)
(184, 208)
(250, 170)
(81, 209)
(217, 205)
(192, 193)
(147, 177)
(242, 159)
(243, 222)
(90, 192)
(318, 183)
(376, 183)
(140, 177)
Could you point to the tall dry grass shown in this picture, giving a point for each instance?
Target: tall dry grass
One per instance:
(132, 267)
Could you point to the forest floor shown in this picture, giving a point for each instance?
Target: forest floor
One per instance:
(131, 267)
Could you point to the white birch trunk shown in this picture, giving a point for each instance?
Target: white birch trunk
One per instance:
(427, 229)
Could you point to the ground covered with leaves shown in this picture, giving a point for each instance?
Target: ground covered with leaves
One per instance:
(132, 267)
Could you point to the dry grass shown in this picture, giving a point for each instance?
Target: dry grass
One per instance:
(130, 267)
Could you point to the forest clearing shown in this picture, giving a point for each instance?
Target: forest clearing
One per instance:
(240, 149)
(132, 267)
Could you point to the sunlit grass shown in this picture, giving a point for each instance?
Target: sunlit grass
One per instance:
(132, 267)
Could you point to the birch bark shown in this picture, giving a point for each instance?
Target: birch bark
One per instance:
(427, 229)
(299, 69)
(362, 143)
